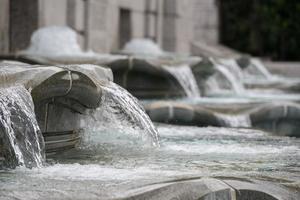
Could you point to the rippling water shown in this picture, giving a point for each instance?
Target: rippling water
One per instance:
(109, 162)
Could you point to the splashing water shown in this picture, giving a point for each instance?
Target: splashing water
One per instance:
(118, 108)
(23, 142)
(234, 120)
(186, 79)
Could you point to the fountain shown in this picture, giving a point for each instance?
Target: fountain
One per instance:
(60, 96)
(224, 80)
(257, 76)
(185, 77)
(21, 137)
(145, 78)
(124, 104)
(100, 144)
(142, 47)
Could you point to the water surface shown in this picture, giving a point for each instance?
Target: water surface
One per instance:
(110, 161)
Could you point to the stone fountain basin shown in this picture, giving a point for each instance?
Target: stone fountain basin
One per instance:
(60, 94)
(143, 76)
(281, 118)
(225, 188)
(60, 141)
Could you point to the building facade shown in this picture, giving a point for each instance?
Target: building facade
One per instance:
(106, 25)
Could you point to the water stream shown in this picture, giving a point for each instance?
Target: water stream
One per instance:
(119, 109)
(19, 131)
(186, 79)
(233, 67)
(259, 69)
(220, 80)
(236, 120)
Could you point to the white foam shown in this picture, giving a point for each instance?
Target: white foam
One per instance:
(142, 46)
(55, 41)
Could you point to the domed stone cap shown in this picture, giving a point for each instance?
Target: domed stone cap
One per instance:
(243, 61)
(203, 69)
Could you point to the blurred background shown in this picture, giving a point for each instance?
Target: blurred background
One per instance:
(268, 29)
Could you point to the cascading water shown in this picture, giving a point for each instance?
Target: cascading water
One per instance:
(241, 120)
(22, 140)
(212, 84)
(233, 67)
(256, 68)
(118, 106)
(186, 79)
(218, 81)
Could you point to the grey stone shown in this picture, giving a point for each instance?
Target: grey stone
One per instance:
(177, 113)
(213, 189)
(243, 61)
(280, 119)
(60, 94)
(202, 71)
(144, 79)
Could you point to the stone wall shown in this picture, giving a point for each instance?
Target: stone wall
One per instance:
(187, 21)
(173, 24)
(205, 21)
(23, 20)
(4, 26)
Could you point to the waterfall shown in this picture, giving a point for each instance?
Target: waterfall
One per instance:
(233, 67)
(119, 106)
(22, 140)
(186, 79)
(258, 69)
(238, 120)
(221, 80)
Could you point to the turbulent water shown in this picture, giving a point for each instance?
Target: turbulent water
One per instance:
(186, 79)
(113, 164)
(20, 134)
(119, 109)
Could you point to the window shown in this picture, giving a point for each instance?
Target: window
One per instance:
(124, 27)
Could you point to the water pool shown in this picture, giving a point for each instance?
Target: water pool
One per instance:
(110, 162)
